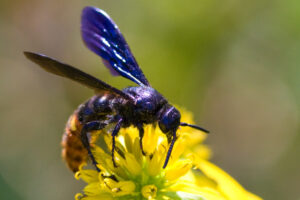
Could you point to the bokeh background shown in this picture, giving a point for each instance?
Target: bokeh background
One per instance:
(235, 64)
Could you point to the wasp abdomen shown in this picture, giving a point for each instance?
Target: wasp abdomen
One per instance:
(73, 150)
(95, 109)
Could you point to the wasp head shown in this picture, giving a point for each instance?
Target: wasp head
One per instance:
(169, 119)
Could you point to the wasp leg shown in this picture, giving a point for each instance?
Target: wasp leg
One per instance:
(170, 149)
(90, 126)
(141, 134)
(114, 134)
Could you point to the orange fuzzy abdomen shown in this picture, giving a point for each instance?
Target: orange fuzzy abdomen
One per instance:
(73, 150)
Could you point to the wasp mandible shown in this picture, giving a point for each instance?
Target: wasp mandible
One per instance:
(133, 106)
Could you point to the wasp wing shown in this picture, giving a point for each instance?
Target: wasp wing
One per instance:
(64, 70)
(103, 37)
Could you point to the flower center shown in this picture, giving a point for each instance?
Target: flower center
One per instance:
(149, 191)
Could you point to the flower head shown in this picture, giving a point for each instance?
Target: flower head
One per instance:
(188, 174)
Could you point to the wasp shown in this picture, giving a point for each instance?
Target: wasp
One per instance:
(132, 106)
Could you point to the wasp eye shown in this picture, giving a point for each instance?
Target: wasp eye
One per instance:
(169, 120)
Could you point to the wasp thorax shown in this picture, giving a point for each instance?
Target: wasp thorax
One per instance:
(147, 99)
(169, 119)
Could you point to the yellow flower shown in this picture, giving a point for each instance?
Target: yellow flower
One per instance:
(188, 175)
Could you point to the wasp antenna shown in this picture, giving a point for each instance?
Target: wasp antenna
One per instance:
(194, 126)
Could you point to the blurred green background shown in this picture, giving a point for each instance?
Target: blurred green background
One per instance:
(235, 64)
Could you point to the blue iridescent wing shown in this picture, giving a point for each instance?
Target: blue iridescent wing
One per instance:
(103, 37)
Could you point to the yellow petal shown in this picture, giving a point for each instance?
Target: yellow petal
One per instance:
(78, 196)
(117, 171)
(124, 188)
(180, 168)
(100, 156)
(97, 197)
(137, 152)
(119, 188)
(150, 140)
(155, 164)
(87, 175)
(204, 181)
(104, 161)
(253, 196)
(193, 136)
(198, 153)
(226, 184)
(203, 151)
(128, 142)
(109, 183)
(108, 141)
(118, 144)
(199, 195)
(192, 188)
(93, 189)
(132, 131)
(132, 165)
